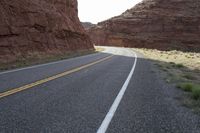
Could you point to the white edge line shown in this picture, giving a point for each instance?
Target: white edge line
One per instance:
(41, 65)
(110, 114)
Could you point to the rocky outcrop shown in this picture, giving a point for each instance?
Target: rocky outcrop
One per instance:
(40, 26)
(88, 25)
(160, 24)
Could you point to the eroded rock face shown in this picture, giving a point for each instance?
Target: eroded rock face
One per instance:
(35, 26)
(160, 24)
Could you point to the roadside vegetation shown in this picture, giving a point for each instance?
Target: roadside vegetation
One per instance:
(181, 69)
(40, 58)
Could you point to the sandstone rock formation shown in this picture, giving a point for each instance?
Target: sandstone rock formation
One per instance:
(160, 24)
(39, 26)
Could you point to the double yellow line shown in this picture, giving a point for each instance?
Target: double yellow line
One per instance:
(39, 82)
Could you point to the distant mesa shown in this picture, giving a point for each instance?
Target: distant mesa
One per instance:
(160, 24)
(88, 25)
(33, 27)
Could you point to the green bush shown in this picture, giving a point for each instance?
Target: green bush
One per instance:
(190, 87)
(179, 65)
(196, 92)
(186, 86)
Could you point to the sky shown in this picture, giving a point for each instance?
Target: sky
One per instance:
(98, 10)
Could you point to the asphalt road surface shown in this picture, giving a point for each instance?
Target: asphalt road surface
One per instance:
(115, 91)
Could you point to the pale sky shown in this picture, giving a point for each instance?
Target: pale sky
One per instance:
(98, 10)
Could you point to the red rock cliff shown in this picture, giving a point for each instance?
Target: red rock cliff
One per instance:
(40, 26)
(161, 24)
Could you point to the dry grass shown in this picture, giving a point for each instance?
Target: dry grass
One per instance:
(180, 68)
(39, 58)
(181, 65)
(34, 58)
(99, 48)
(190, 60)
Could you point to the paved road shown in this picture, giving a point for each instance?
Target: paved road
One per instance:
(112, 91)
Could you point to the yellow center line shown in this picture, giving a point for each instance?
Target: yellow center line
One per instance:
(39, 82)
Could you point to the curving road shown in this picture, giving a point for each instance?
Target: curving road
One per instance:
(114, 91)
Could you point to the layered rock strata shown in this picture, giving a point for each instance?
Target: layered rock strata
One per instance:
(160, 24)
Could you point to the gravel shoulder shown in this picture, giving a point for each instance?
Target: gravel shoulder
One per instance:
(181, 70)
